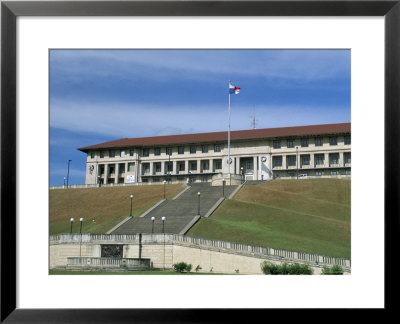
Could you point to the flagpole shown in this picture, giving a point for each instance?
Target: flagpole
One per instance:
(229, 132)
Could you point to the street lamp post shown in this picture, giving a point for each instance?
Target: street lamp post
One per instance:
(80, 243)
(152, 224)
(241, 175)
(297, 162)
(65, 179)
(164, 187)
(99, 180)
(71, 220)
(198, 204)
(69, 161)
(131, 205)
(163, 229)
(223, 188)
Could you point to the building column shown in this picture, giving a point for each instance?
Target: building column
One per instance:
(237, 165)
(211, 165)
(151, 168)
(312, 161)
(163, 168)
(186, 166)
(255, 168)
(174, 167)
(326, 160)
(284, 161)
(116, 169)
(198, 166)
(341, 159)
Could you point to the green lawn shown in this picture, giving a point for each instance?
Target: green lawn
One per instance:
(301, 215)
(102, 208)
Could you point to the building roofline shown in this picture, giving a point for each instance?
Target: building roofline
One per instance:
(236, 135)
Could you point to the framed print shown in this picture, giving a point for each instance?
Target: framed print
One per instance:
(31, 30)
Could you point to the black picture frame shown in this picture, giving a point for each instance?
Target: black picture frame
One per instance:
(10, 10)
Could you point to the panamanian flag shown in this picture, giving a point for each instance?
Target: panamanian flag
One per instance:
(233, 89)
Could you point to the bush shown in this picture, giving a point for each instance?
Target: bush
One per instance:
(335, 270)
(182, 267)
(198, 268)
(269, 268)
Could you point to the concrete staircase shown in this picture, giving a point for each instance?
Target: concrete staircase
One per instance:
(181, 213)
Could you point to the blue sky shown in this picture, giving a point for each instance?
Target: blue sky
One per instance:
(102, 95)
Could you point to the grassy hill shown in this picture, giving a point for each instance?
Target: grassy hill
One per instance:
(302, 215)
(102, 208)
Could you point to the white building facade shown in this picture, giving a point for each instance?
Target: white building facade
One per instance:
(257, 154)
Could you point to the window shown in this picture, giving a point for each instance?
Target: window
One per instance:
(192, 149)
(112, 154)
(206, 165)
(102, 154)
(319, 159)
(347, 140)
(92, 155)
(249, 165)
(146, 167)
(217, 148)
(111, 169)
(319, 173)
(146, 152)
(121, 168)
(318, 141)
(292, 174)
(131, 152)
(181, 166)
(290, 143)
(193, 166)
(291, 160)
(204, 149)
(181, 150)
(218, 164)
(131, 167)
(335, 173)
(122, 153)
(304, 142)
(157, 151)
(277, 161)
(169, 166)
(158, 167)
(156, 180)
(334, 158)
(332, 140)
(168, 151)
(277, 144)
(347, 172)
(305, 160)
(347, 157)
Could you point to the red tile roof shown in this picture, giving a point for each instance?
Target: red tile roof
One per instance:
(223, 136)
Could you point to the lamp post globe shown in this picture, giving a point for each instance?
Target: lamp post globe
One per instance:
(223, 187)
(71, 221)
(81, 220)
(198, 203)
(152, 224)
(163, 223)
(164, 187)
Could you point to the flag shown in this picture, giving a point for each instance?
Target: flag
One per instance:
(233, 89)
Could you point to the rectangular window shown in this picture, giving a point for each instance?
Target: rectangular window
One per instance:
(335, 173)
(92, 155)
(169, 166)
(277, 144)
(319, 173)
(181, 150)
(131, 167)
(319, 159)
(158, 167)
(121, 168)
(292, 174)
(111, 169)
(181, 166)
(102, 154)
(206, 165)
(332, 140)
(347, 172)
(146, 152)
(112, 154)
(193, 166)
(192, 149)
(291, 160)
(168, 151)
(204, 149)
(146, 167)
(304, 142)
(318, 141)
(122, 153)
(217, 148)
(249, 165)
(131, 152)
(305, 160)
(334, 158)
(347, 140)
(347, 157)
(290, 143)
(218, 164)
(277, 161)
(157, 151)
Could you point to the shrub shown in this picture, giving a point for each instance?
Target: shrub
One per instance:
(182, 267)
(269, 268)
(335, 270)
(198, 268)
